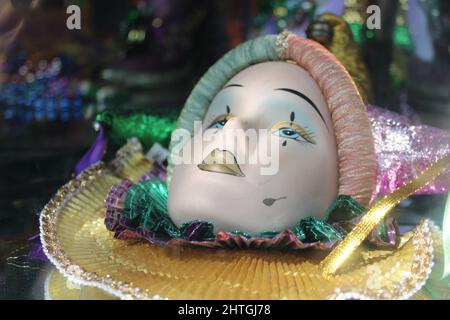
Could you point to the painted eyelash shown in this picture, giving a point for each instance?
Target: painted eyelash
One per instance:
(307, 134)
(214, 117)
(224, 116)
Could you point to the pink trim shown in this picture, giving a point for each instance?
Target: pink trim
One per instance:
(356, 152)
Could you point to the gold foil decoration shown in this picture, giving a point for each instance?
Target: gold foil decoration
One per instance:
(76, 241)
(334, 33)
(344, 250)
(57, 287)
(446, 238)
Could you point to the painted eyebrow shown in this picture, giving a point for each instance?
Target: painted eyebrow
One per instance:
(301, 95)
(233, 85)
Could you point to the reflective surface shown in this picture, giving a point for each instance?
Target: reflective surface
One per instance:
(34, 163)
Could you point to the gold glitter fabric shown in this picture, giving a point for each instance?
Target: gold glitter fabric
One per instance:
(77, 243)
(378, 212)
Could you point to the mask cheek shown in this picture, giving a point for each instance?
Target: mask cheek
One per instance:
(292, 154)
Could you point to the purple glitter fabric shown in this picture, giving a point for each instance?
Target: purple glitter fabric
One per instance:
(405, 148)
(158, 171)
(36, 252)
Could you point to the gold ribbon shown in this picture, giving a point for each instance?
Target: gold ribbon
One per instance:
(340, 254)
(446, 238)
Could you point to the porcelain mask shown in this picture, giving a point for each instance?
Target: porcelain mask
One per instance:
(283, 100)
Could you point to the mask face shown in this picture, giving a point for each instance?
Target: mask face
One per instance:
(268, 155)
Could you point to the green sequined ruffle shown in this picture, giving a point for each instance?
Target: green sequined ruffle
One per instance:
(146, 206)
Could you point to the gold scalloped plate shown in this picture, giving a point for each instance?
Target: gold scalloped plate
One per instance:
(85, 252)
(57, 287)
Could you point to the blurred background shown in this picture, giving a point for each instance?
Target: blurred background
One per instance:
(129, 69)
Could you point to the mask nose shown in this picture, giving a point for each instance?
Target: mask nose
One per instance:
(235, 137)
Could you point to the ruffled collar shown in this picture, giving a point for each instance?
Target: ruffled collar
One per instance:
(139, 211)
